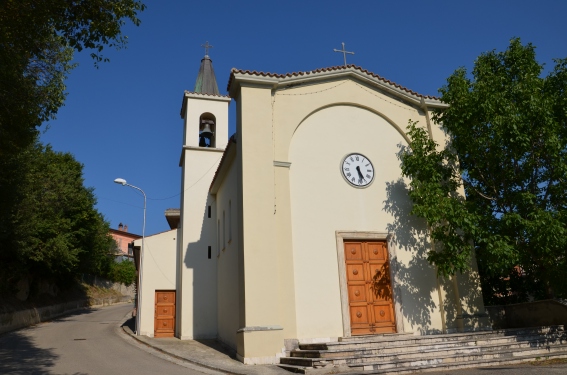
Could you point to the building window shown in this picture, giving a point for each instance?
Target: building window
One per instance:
(223, 230)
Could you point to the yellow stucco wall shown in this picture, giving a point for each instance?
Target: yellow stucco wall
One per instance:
(323, 202)
(159, 273)
(229, 297)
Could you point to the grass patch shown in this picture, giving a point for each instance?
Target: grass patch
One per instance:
(99, 292)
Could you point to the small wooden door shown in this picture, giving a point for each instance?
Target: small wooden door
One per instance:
(370, 299)
(164, 313)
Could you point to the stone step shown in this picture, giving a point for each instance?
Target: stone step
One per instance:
(456, 365)
(416, 352)
(371, 341)
(375, 337)
(408, 353)
(429, 367)
(460, 358)
(420, 347)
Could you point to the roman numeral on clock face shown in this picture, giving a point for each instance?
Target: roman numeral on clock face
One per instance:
(357, 170)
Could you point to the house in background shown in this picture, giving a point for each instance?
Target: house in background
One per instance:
(298, 227)
(123, 238)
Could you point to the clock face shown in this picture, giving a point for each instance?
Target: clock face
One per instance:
(357, 170)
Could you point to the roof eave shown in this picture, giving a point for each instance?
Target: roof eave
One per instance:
(197, 95)
(267, 79)
(239, 79)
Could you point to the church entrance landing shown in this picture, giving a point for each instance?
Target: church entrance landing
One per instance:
(369, 287)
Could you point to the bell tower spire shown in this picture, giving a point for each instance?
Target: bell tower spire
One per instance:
(205, 110)
(206, 81)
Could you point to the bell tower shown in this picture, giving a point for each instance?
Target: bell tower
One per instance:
(205, 135)
(205, 110)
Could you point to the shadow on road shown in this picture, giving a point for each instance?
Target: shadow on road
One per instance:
(130, 323)
(219, 347)
(20, 356)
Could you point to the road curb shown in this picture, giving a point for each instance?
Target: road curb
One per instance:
(129, 332)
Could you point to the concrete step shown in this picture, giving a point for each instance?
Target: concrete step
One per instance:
(424, 368)
(457, 365)
(412, 353)
(395, 347)
(399, 353)
(397, 340)
(376, 337)
(461, 358)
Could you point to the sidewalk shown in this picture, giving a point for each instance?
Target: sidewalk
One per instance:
(206, 353)
(210, 354)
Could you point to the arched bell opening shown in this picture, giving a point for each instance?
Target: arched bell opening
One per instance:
(207, 127)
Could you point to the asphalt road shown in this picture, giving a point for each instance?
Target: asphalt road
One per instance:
(87, 342)
(92, 342)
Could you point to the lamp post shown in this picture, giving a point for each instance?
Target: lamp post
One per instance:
(122, 182)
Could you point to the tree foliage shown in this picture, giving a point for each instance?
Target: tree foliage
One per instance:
(55, 232)
(507, 148)
(48, 224)
(37, 39)
(123, 272)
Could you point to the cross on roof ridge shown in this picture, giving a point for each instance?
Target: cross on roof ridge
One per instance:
(344, 52)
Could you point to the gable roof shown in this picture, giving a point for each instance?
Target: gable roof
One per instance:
(324, 73)
(123, 233)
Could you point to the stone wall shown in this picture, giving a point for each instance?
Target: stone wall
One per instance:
(529, 314)
(25, 318)
(104, 283)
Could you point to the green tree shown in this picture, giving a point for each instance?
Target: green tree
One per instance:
(56, 231)
(37, 39)
(123, 272)
(507, 147)
(48, 224)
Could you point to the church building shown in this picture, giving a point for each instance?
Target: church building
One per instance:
(297, 228)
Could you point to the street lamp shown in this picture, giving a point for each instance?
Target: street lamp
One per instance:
(122, 182)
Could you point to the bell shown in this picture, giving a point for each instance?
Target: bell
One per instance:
(206, 131)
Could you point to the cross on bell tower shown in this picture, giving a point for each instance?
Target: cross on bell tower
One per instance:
(206, 46)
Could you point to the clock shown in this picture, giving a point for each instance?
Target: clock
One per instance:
(357, 170)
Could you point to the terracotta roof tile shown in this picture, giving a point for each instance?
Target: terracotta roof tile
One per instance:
(320, 70)
(205, 94)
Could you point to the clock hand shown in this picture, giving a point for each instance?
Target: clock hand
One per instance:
(360, 176)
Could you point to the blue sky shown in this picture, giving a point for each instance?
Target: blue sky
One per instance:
(122, 120)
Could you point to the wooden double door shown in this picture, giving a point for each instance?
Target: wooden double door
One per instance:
(371, 304)
(164, 313)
